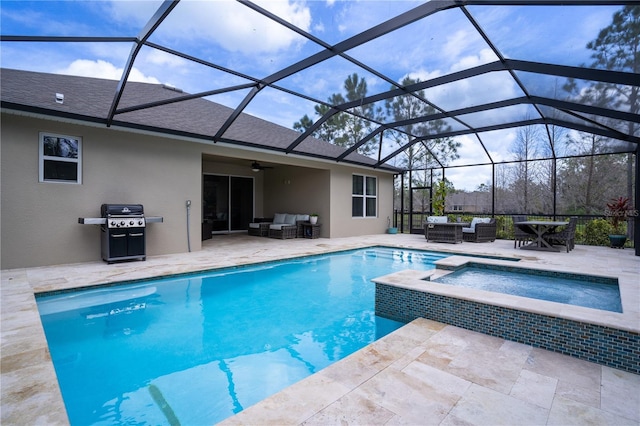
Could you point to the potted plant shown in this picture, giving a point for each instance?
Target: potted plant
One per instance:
(616, 212)
(391, 229)
(313, 218)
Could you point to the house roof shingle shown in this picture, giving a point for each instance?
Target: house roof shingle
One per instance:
(89, 99)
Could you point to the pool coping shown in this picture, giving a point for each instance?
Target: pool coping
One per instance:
(422, 281)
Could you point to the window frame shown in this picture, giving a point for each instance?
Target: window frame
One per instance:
(364, 196)
(42, 158)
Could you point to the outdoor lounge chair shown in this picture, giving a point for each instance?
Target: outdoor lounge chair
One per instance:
(260, 227)
(481, 230)
(565, 237)
(521, 235)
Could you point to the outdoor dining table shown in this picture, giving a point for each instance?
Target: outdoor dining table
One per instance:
(539, 228)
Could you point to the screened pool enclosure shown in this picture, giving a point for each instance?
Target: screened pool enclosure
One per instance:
(522, 107)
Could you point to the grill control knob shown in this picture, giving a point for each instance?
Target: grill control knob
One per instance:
(122, 223)
(113, 223)
(140, 222)
(131, 223)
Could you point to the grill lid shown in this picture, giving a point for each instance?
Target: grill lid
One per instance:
(121, 210)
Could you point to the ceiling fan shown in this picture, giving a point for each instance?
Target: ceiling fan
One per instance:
(256, 167)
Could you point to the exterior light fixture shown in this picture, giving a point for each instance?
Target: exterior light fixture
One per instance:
(59, 98)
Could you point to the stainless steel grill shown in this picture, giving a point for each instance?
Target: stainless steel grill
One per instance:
(122, 231)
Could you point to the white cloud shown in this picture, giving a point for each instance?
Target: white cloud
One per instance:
(130, 13)
(235, 27)
(456, 43)
(103, 69)
(160, 58)
(484, 56)
(422, 75)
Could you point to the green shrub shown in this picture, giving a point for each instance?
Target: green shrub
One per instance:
(504, 228)
(597, 232)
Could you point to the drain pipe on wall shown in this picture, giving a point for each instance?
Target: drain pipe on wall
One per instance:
(188, 224)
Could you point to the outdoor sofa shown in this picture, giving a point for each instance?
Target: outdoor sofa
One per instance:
(283, 226)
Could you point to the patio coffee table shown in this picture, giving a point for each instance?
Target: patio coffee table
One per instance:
(540, 228)
(450, 232)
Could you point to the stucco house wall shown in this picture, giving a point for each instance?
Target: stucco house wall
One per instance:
(39, 221)
(343, 225)
(303, 190)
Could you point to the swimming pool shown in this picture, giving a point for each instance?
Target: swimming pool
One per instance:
(580, 290)
(199, 348)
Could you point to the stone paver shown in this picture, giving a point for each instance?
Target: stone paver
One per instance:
(423, 373)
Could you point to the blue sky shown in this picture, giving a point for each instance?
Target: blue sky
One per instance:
(230, 34)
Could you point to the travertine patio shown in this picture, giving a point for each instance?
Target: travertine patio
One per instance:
(424, 373)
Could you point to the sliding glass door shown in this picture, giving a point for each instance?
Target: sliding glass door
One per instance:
(227, 202)
(241, 202)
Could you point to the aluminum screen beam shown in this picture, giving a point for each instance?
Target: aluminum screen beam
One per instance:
(392, 24)
(163, 11)
(561, 123)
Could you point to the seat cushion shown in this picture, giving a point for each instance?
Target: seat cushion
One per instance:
(290, 219)
(254, 225)
(278, 226)
(477, 220)
(469, 230)
(279, 218)
(436, 219)
(302, 218)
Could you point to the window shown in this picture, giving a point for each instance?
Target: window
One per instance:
(60, 158)
(364, 196)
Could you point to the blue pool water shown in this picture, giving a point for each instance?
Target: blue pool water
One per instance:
(196, 349)
(567, 289)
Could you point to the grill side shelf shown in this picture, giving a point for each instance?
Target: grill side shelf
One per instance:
(103, 220)
(92, 220)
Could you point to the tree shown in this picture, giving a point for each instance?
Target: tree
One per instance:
(616, 48)
(357, 124)
(483, 187)
(585, 182)
(524, 148)
(345, 129)
(331, 129)
(439, 198)
(418, 156)
(411, 106)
